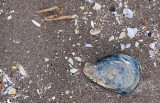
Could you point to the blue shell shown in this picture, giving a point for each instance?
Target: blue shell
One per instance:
(117, 72)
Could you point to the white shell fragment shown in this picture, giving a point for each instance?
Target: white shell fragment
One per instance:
(78, 59)
(111, 38)
(151, 53)
(12, 91)
(92, 24)
(136, 44)
(132, 32)
(122, 35)
(117, 18)
(96, 6)
(21, 70)
(36, 23)
(8, 79)
(88, 45)
(152, 45)
(70, 61)
(128, 13)
(128, 45)
(73, 70)
(9, 17)
(94, 31)
(122, 47)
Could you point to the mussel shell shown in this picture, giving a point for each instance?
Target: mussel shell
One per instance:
(117, 72)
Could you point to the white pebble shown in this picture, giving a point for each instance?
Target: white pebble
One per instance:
(88, 45)
(9, 17)
(96, 6)
(67, 92)
(46, 59)
(92, 24)
(128, 13)
(136, 44)
(78, 59)
(36, 23)
(111, 38)
(128, 45)
(21, 70)
(122, 47)
(152, 45)
(73, 70)
(122, 35)
(82, 7)
(70, 61)
(94, 32)
(132, 32)
(151, 53)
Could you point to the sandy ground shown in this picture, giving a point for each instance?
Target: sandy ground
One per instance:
(44, 51)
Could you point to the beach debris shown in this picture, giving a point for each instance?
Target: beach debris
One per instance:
(6, 91)
(152, 45)
(117, 18)
(48, 9)
(96, 6)
(122, 35)
(73, 70)
(36, 23)
(128, 45)
(111, 38)
(128, 13)
(9, 17)
(122, 47)
(78, 59)
(88, 45)
(95, 31)
(21, 70)
(108, 72)
(136, 44)
(70, 61)
(12, 91)
(132, 32)
(46, 59)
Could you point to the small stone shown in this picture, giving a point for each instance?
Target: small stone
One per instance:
(96, 6)
(78, 59)
(151, 53)
(116, 47)
(132, 32)
(9, 17)
(122, 47)
(92, 24)
(149, 34)
(112, 9)
(88, 45)
(128, 45)
(152, 45)
(70, 61)
(94, 31)
(122, 35)
(67, 92)
(14, 67)
(12, 91)
(136, 44)
(46, 59)
(111, 38)
(82, 7)
(73, 70)
(36, 23)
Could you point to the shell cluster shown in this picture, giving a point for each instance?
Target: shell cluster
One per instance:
(117, 72)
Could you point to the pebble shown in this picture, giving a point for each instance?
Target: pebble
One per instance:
(78, 59)
(122, 47)
(46, 59)
(122, 35)
(92, 24)
(82, 7)
(111, 38)
(128, 13)
(14, 67)
(151, 53)
(112, 9)
(73, 70)
(88, 45)
(136, 44)
(12, 91)
(67, 92)
(9, 17)
(132, 32)
(152, 45)
(117, 18)
(128, 45)
(94, 31)
(21, 70)
(70, 61)
(96, 6)
(116, 47)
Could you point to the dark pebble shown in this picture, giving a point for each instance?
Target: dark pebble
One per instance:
(149, 34)
(112, 9)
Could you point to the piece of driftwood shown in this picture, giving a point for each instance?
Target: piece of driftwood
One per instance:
(48, 9)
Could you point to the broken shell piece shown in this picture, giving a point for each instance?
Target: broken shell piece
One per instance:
(128, 45)
(152, 45)
(132, 32)
(118, 72)
(136, 44)
(96, 6)
(128, 13)
(36, 23)
(73, 70)
(12, 91)
(21, 70)
(94, 31)
(122, 47)
(111, 38)
(122, 35)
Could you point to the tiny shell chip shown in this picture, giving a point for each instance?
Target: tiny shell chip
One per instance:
(117, 72)
(128, 13)
(12, 91)
(94, 31)
(132, 32)
(96, 6)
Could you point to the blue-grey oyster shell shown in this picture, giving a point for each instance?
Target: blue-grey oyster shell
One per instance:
(117, 72)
